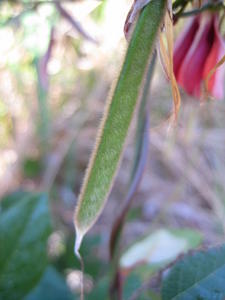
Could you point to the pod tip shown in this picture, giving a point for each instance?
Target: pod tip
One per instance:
(78, 241)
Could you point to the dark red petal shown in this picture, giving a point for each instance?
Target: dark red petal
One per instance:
(191, 70)
(183, 43)
(216, 81)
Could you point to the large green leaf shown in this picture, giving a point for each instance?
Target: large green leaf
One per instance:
(51, 287)
(200, 276)
(24, 229)
(118, 115)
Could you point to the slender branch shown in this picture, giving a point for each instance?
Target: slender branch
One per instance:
(210, 6)
(74, 23)
(141, 154)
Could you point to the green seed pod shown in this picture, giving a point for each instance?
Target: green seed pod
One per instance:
(119, 111)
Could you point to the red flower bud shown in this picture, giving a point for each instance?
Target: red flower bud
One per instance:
(199, 48)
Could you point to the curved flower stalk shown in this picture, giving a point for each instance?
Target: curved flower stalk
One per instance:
(197, 51)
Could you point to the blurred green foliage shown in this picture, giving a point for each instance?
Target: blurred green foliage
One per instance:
(24, 229)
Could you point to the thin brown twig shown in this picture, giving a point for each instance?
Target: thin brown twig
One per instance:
(76, 25)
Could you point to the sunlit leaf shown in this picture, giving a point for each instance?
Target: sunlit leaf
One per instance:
(118, 115)
(160, 248)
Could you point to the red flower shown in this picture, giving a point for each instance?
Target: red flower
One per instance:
(199, 48)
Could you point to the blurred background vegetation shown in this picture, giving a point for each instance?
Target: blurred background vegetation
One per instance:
(57, 64)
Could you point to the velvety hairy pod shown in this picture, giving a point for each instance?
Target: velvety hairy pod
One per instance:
(118, 114)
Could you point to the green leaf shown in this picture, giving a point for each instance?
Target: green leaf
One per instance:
(13, 198)
(24, 229)
(118, 115)
(52, 286)
(136, 287)
(200, 276)
(132, 283)
(100, 290)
